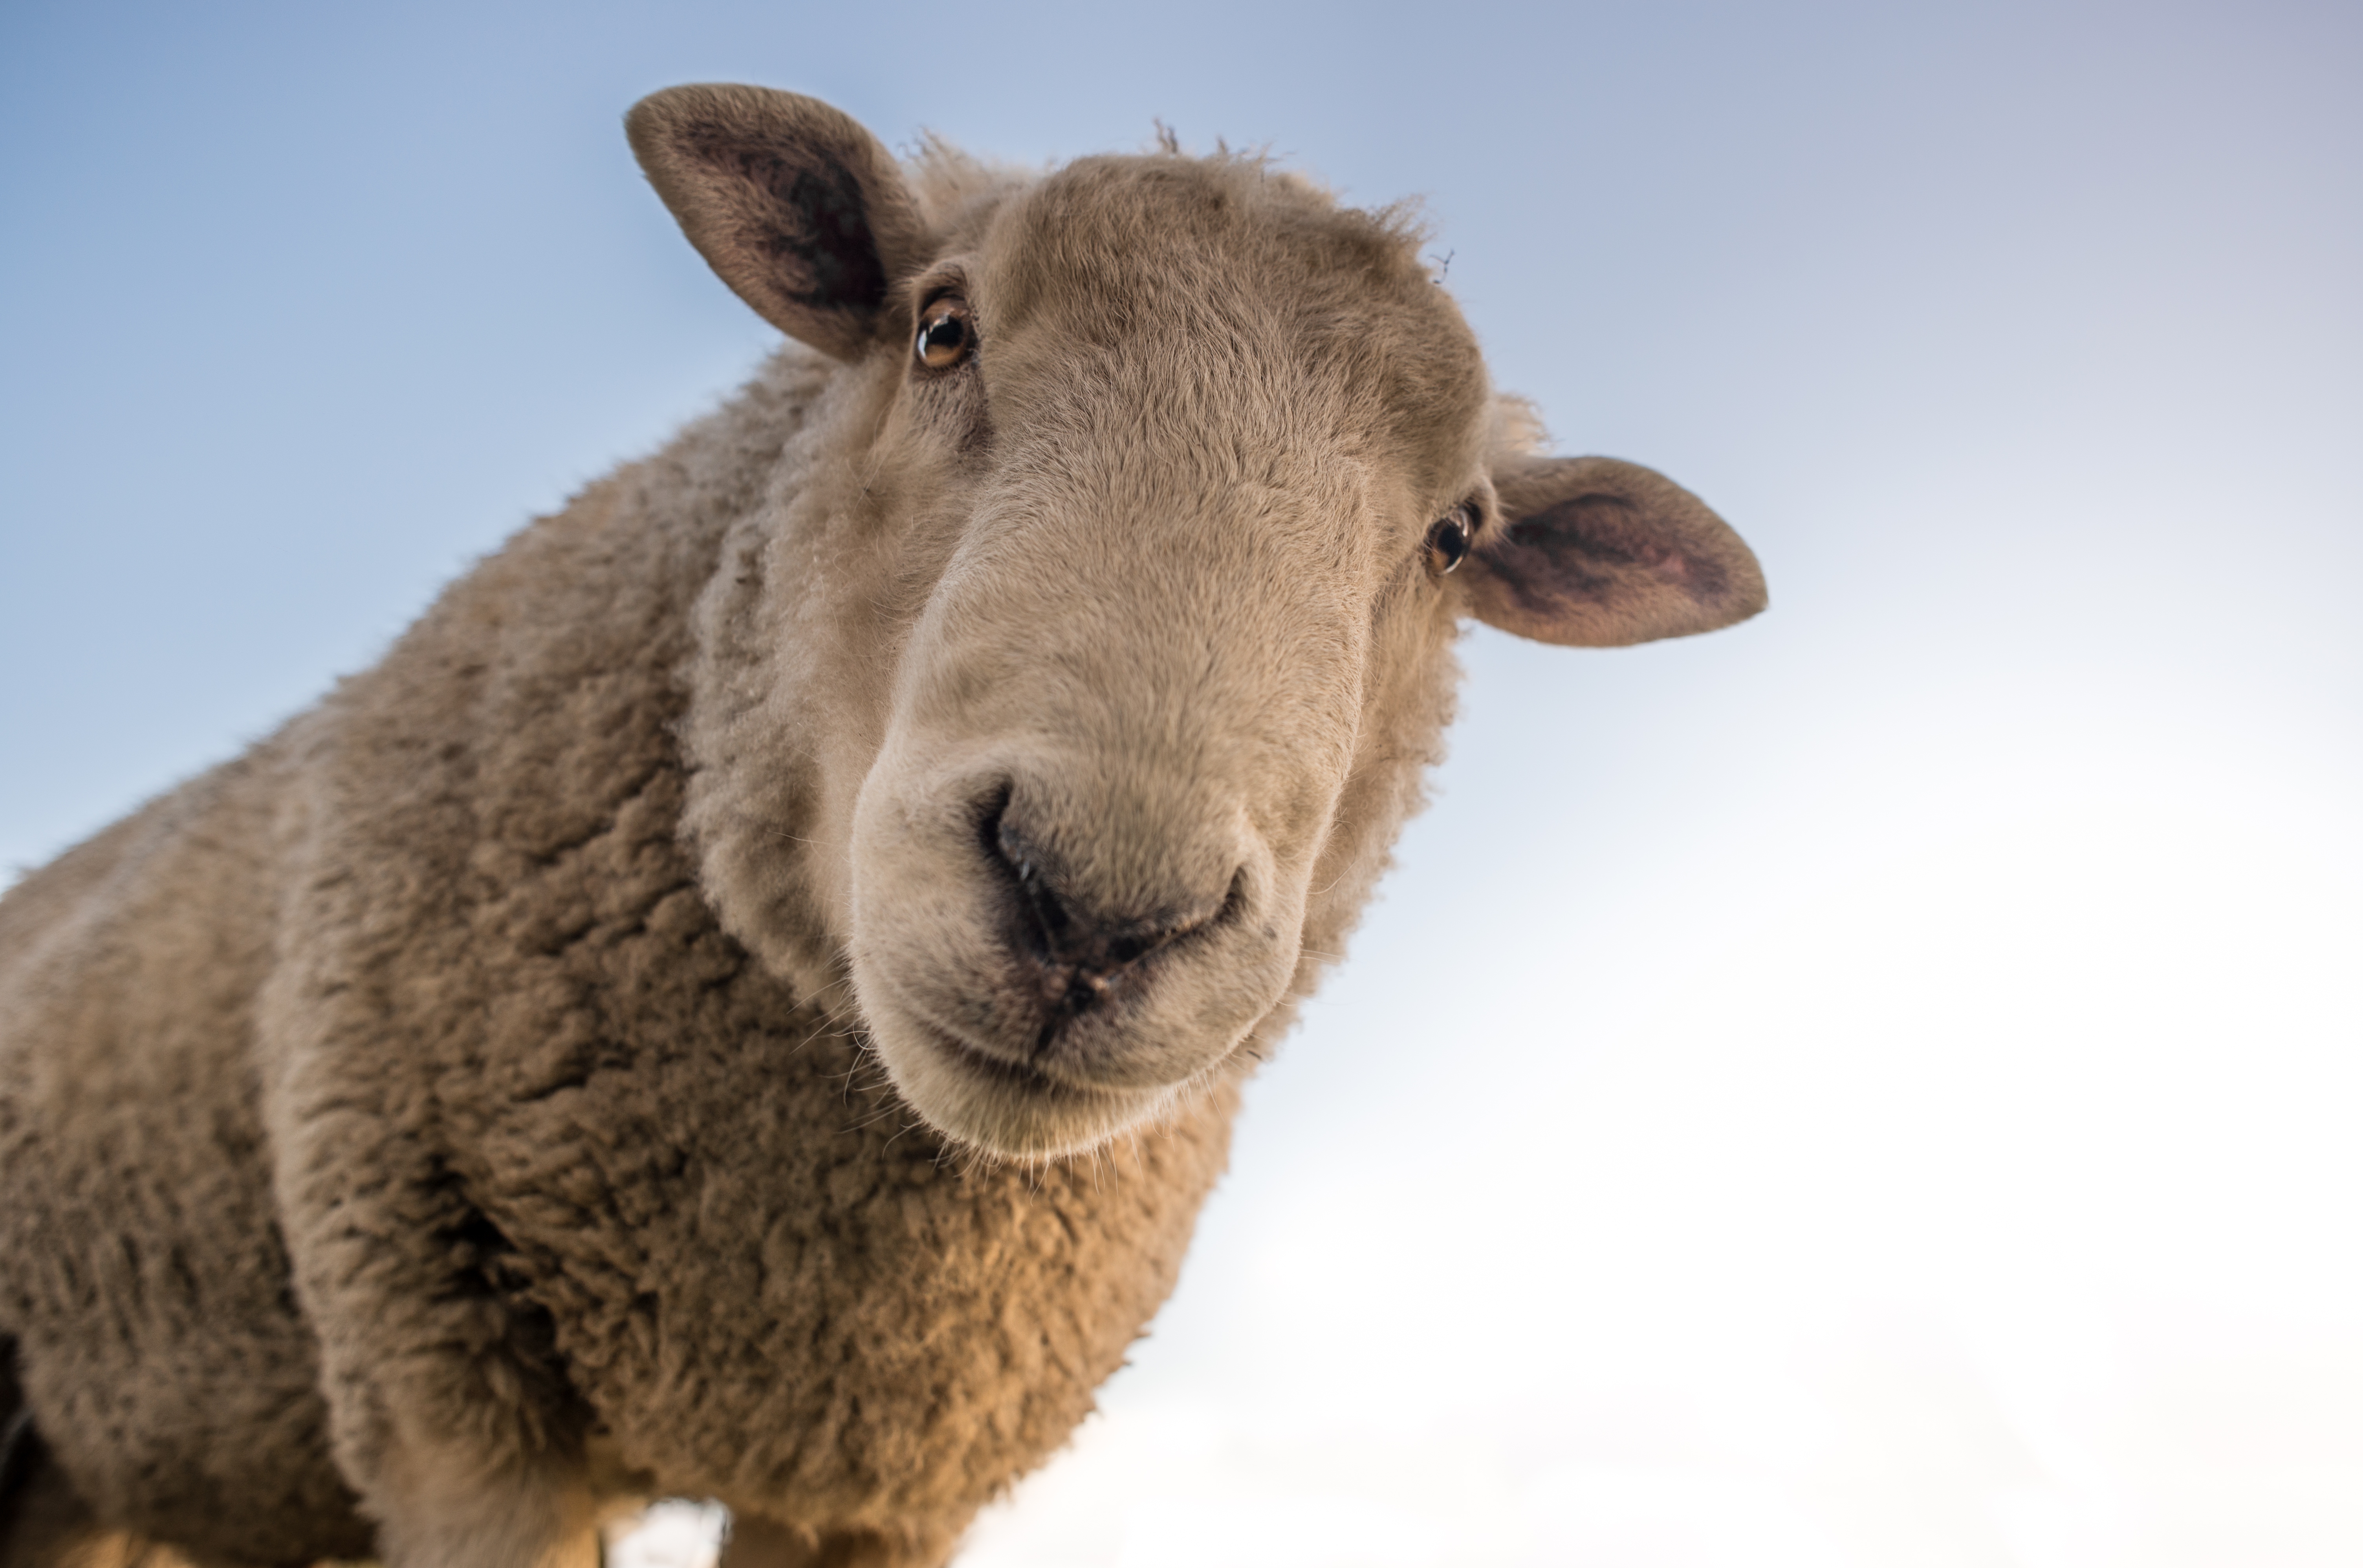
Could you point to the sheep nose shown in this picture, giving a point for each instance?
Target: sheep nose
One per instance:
(1075, 946)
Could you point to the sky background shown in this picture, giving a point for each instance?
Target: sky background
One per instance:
(1876, 1085)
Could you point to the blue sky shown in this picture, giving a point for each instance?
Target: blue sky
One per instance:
(1959, 956)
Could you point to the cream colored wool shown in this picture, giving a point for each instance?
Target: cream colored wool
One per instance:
(746, 998)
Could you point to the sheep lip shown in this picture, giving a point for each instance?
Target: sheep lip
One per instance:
(1021, 1076)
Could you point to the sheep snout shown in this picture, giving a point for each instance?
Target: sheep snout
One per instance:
(1047, 956)
(1076, 947)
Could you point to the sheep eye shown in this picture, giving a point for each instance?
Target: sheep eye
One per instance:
(946, 336)
(1448, 539)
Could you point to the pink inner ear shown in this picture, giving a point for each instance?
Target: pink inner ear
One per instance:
(1585, 547)
(1601, 568)
(1671, 564)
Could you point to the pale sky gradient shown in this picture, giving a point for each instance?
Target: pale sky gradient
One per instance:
(1876, 1085)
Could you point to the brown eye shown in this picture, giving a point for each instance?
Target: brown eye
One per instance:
(946, 334)
(1448, 539)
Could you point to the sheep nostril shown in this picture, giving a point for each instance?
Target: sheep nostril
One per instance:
(1046, 923)
(1123, 950)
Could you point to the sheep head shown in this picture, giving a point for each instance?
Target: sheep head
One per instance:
(1065, 695)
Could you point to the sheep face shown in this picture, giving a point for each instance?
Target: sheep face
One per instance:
(1187, 479)
(1088, 669)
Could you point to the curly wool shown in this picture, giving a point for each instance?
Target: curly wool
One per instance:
(656, 1193)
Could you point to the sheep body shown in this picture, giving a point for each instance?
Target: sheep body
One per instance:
(458, 1114)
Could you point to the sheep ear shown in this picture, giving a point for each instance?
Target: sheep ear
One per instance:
(797, 207)
(1590, 552)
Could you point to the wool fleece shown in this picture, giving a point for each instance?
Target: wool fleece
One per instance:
(748, 997)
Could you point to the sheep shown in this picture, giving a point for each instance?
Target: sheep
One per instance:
(747, 998)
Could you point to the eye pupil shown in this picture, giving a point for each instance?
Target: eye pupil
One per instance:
(944, 336)
(1448, 540)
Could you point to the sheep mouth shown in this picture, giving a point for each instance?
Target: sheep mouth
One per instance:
(1022, 1077)
(1008, 1107)
(1038, 1078)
